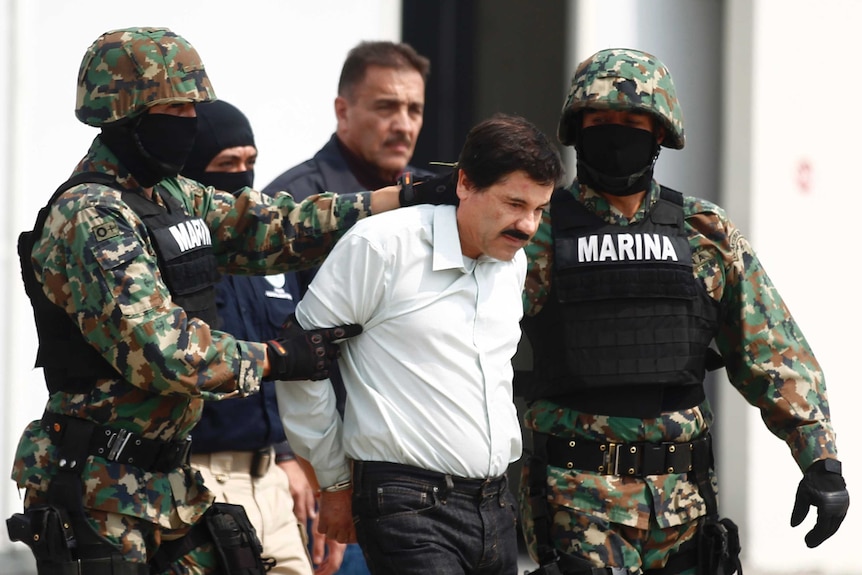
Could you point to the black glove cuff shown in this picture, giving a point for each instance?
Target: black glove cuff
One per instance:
(406, 195)
(832, 466)
(280, 360)
(436, 189)
(825, 466)
(824, 476)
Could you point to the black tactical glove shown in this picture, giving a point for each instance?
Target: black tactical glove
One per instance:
(823, 487)
(436, 190)
(300, 354)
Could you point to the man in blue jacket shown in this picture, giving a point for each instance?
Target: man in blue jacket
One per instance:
(239, 444)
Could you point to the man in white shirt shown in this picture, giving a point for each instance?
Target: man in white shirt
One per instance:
(429, 426)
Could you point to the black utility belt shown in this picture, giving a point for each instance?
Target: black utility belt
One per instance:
(120, 445)
(379, 471)
(627, 459)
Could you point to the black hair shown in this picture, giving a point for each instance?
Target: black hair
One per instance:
(379, 53)
(504, 144)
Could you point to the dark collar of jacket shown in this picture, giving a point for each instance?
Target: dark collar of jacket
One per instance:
(327, 171)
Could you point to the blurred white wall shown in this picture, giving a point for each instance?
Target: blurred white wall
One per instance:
(277, 60)
(804, 145)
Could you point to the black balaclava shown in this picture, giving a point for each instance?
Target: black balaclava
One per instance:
(616, 159)
(152, 146)
(220, 126)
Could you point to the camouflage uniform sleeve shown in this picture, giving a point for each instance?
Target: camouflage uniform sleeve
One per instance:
(261, 234)
(96, 262)
(768, 358)
(540, 259)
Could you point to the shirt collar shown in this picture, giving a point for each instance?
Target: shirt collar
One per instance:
(447, 242)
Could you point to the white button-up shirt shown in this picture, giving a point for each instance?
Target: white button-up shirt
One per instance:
(429, 380)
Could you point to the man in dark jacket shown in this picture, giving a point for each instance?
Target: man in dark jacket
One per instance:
(381, 98)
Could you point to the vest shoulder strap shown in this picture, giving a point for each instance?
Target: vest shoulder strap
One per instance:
(670, 195)
(77, 179)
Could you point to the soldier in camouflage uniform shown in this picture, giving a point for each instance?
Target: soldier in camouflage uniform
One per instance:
(127, 257)
(629, 283)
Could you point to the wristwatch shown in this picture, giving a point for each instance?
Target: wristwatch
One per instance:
(340, 486)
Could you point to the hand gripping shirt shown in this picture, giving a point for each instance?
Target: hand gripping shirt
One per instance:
(96, 261)
(768, 361)
(429, 380)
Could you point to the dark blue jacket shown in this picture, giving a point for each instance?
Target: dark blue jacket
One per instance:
(251, 308)
(327, 171)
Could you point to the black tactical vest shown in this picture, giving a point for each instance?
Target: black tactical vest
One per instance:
(186, 261)
(627, 325)
(184, 248)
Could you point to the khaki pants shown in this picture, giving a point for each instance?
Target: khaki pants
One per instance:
(266, 500)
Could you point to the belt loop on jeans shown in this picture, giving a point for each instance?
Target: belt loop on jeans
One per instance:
(356, 473)
(448, 487)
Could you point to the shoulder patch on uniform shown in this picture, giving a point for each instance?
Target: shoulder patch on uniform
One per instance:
(106, 231)
(733, 240)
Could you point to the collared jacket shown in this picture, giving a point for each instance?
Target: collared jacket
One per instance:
(768, 360)
(327, 170)
(251, 308)
(112, 290)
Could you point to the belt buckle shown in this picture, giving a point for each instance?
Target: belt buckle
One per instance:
(612, 459)
(117, 443)
(634, 453)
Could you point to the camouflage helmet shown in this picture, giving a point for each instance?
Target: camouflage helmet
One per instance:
(622, 79)
(126, 71)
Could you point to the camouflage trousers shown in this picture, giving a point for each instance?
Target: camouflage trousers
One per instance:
(605, 543)
(138, 540)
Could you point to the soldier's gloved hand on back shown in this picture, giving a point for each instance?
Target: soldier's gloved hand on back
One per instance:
(823, 487)
(436, 190)
(305, 354)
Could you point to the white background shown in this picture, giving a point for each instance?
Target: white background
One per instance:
(804, 84)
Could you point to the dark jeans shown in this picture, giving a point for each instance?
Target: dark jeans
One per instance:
(414, 521)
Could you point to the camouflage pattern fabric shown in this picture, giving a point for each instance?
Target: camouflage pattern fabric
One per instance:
(768, 361)
(619, 79)
(599, 539)
(126, 71)
(96, 261)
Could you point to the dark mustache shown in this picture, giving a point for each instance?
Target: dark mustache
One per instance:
(517, 235)
(398, 139)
